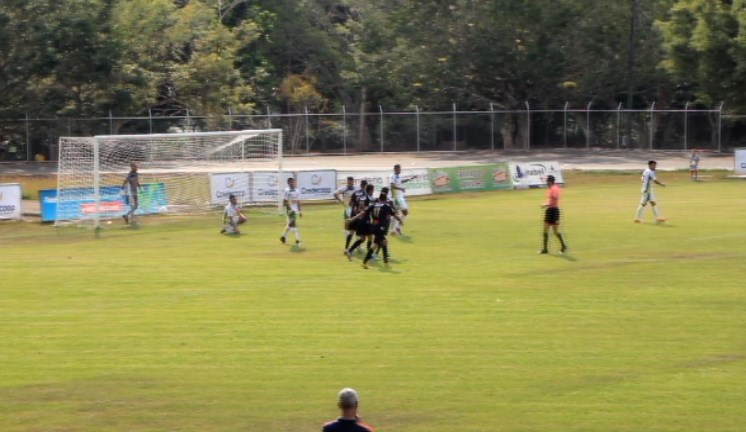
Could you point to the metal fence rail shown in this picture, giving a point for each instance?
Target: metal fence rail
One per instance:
(345, 132)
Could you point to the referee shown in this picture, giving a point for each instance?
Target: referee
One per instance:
(552, 215)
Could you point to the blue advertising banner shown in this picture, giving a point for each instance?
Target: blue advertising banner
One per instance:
(78, 203)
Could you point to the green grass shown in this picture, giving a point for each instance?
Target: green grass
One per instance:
(175, 327)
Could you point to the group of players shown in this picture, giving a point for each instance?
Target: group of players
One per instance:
(371, 219)
(368, 218)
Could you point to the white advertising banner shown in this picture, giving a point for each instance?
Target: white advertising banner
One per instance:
(10, 201)
(267, 185)
(222, 185)
(316, 185)
(419, 185)
(740, 161)
(534, 174)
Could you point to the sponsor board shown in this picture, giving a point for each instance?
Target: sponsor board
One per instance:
(419, 185)
(266, 186)
(222, 185)
(79, 203)
(470, 178)
(10, 201)
(534, 174)
(316, 185)
(740, 161)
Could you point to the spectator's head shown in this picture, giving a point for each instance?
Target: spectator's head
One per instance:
(348, 402)
(652, 164)
(350, 181)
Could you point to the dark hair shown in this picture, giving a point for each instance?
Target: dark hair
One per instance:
(384, 189)
(384, 196)
(290, 179)
(231, 196)
(351, 178)
(652, 162)
(369, 188)
(550, 178)
(397, 166)
(363, 182)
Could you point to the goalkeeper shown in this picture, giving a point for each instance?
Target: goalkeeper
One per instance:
(232, 217)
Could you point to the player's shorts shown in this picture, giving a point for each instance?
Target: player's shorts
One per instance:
(379, 233)
(362, 228)
(401, 203)
(292, 218)
(552, 216)
(647, 197)
(347, 213)
(694, 166)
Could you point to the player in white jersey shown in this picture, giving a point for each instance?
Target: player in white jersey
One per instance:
(343, 195)
(694, 165)
(648, 194)
(398, 191)
(291, 201)
(130, 188)
(232, 217)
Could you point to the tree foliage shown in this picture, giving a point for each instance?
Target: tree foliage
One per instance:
(91, 57)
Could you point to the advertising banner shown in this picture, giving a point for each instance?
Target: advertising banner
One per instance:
(740, 161)
(79, 202)
(470, 178)
(265, 185)
(10, 201)
(222, 185)
(534, 174)
(316, 185)
(420, 185)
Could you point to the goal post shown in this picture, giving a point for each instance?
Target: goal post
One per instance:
(180, 173)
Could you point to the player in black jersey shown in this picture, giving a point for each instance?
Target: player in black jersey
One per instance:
(380, 214)
(361, 225)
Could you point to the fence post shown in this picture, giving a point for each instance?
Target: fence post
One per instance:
(454, 127)
(492, 126)
(686, 126)
(111, 124)
(269, 119)
(28, 141)
(720, 127)
(150, 119)
(652, 125)
(564, 125)
(417, 113)
(528, 126)
(588, 126)
(305, 109)
(618, 125)
(230, 118)
(380, 110)
(344, 129)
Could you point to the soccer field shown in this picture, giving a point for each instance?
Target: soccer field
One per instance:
(174, 327)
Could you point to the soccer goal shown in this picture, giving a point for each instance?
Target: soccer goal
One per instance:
(180, 173)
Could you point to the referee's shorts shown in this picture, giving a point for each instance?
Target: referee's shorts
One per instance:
(552, 216)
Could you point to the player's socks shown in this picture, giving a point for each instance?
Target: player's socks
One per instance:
(657, 215)
(369, 244)
(367, 256)
(562, 242)
(297, 235)
(354, 246)
(385, 254)
(640, 210)
(546, 241)
(348, 239)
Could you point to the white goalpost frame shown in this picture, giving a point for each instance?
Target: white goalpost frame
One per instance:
(237, 165)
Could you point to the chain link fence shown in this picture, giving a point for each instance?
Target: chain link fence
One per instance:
(345, 132)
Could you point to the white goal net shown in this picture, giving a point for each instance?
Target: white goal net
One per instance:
(179, 173)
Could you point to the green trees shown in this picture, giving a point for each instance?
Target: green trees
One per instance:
(85, 58)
